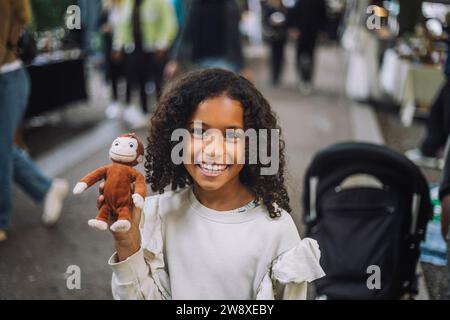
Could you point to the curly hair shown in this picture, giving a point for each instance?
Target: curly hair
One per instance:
(176, 106)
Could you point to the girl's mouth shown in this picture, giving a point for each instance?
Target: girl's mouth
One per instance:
(212, 170)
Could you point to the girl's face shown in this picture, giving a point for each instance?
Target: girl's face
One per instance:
(216, 154)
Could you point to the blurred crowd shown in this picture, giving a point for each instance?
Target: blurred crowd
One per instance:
(150, 42)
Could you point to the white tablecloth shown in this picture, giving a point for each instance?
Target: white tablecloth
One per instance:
(409, 84)
(363, 66)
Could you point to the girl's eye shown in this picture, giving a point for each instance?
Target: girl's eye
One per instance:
(131, 145)
(233, 135)
(197, 132)
(116, 144)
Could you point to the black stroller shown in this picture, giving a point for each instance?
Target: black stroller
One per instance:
(368, 208)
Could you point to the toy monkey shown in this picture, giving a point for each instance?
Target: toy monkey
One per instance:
(126, 152)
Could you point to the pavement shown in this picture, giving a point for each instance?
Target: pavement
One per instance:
(34, 260)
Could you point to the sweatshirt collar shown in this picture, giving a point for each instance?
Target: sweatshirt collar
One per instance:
(230, 216)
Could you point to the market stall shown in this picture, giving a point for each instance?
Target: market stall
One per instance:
(411, 85)
(56, 81)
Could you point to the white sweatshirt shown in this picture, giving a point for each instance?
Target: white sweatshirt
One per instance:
(189, 251)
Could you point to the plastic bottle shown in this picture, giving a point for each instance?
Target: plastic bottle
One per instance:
(434, 249)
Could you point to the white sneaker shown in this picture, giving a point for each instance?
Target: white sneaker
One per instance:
(306, 88)
(53, 202)
(416, 156)
(3, 236)
(114, 110)
(441, 163)
(135, 118)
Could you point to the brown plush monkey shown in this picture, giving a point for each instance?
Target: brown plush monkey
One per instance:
(126, 152)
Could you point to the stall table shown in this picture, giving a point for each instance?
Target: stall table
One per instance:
(411, 85)
(56, 84)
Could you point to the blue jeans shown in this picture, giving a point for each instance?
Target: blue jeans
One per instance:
(15, 164)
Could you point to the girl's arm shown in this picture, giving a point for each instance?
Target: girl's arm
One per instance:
(133, 278)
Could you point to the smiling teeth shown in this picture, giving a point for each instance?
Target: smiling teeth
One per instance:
(215, 167)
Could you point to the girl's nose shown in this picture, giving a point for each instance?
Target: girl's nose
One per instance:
(213, 148)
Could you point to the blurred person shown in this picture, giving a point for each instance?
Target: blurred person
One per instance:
(109, 19)
(210, 38)
(438, 124)
(308, 18)
(275, 23)
(180, 7)
(444, 196)
(144, 34)
(15, 164)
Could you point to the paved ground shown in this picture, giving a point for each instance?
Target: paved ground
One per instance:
(34, 260)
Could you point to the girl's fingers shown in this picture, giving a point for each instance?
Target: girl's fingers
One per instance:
(136, 218)
(101, 198)
(100, 201)
(101, 187)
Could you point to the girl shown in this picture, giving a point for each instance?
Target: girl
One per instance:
(224, 231)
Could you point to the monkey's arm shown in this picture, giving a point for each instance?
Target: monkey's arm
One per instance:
(90, 179)
(140, 188)
(139, 183)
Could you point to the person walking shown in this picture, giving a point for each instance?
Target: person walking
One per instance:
(275, 25)
(15, 164)
(210, 38)
(308, 17)
(438, 125)
(108, 22)
(144, 35)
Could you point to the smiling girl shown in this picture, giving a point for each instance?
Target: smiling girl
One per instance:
(223, 231)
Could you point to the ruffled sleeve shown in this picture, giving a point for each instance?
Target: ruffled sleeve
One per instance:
(151, 227)
(143, 275)
(288, 273)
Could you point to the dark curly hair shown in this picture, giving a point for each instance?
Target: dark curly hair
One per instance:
(176, 106)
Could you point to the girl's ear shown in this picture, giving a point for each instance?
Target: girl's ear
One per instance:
(140, 158)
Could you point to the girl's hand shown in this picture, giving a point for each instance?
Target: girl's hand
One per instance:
(171, 69)
(129, 242)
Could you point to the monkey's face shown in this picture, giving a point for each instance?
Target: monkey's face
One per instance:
(125, 150)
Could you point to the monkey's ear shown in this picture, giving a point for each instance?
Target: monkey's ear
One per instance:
(140, 159)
